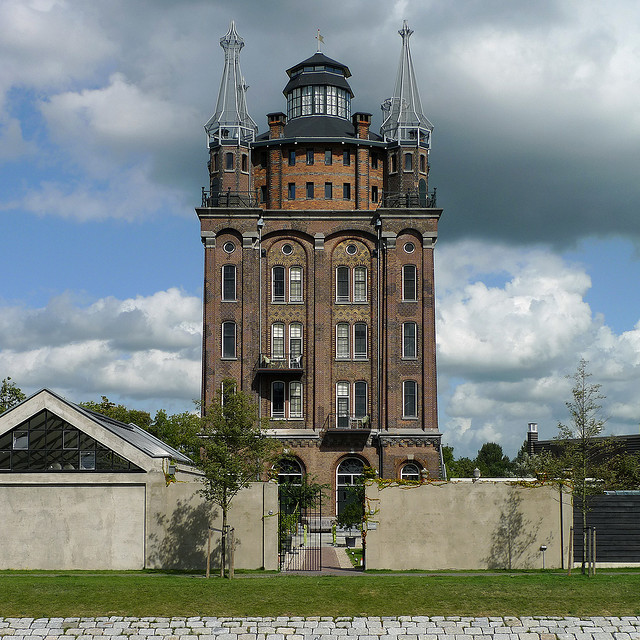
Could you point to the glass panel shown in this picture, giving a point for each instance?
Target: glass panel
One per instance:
(70, 460)
(360, 341)
(328, 157)
(229, 340)
(104, 460)
(410, 404)
(409, 340)
(277, 346)
(295, 340)
(85, 441)
(5, 460)
(295, 400)
(352, 466)
(20, 461)
(278, 284)
(342, 340)
(53, 422)
(360, 392)
(6, 440)
(409, 282)
(328, 190)
(295, 284)
(360, 284)
(20, 440)
(37, 461)
(342, 284)
(410, 472)
(229, 282)
(87, 460)
(120, 463)
(54, 439)
(277, 400)
(37, 439)
(70, 439)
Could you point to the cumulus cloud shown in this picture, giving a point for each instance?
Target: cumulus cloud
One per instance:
(144, 349)
(505, 349)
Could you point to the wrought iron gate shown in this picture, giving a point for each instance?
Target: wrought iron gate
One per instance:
(300, 528)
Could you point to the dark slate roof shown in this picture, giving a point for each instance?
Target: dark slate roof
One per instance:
(317, 78)
(629, 443)
(318, 59)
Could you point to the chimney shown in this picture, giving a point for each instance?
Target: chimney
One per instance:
(532, 437)
(362, 122)
(276, 124)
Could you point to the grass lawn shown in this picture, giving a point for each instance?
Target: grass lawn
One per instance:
(140, 594)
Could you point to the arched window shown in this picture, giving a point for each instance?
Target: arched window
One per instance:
(277, 284)
(409, 334)
(410, 471)
(342, 405)
(347, 475)
(295, 284)
(277, 399)
(360, 399)
(342, 284)
(277, 340)
(295, 341)
(342, 341)
(409, 286)
(360, 341)
(228, 339)
(360, 284)
(289, 471)
(295, 399)
(409, 399)
(229, 282)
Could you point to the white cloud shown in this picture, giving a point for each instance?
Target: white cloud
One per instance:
(141, 349)
(505, 349)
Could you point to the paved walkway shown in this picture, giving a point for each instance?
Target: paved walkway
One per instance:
(320, 628)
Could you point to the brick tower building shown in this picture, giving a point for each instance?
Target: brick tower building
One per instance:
(319, 272)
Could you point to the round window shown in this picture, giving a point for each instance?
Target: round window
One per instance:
(351, 249)
(287, 249)
(409, 247)
(229, 247)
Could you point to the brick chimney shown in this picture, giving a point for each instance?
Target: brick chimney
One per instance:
(276, 124)
(362, 122)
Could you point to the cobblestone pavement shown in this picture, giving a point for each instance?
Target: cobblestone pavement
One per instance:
(319, 628)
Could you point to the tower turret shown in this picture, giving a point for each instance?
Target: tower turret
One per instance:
(231, 130)
(405, 124)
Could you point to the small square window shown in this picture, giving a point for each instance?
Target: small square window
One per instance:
(87, 460)
(20, 440)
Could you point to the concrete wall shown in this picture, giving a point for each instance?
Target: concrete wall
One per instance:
(467, 525)
(127, 521)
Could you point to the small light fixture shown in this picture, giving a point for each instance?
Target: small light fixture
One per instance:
(543, 548)
(476, 474)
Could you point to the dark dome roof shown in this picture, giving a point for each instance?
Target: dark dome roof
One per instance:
(319, 59)
(318, 70)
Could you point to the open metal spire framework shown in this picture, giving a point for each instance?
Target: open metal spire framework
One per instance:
(231, 122)
(403, 119)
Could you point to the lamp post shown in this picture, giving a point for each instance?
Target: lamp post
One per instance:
(543, 548)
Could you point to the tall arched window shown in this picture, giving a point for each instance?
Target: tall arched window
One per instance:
(229, 282)
(295, 284)
(347, 475)
(277, 340)
(277, 284)
(228, 339)
(360, 284)
(409, 399)
(295, 341)
(409, 285)
(342, 405)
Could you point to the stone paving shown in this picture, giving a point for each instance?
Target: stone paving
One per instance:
(320, 628)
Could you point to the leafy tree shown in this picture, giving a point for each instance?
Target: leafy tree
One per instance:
(119, 412)
(10, 395)
(492, 462)
(584, 457)
(178, 431)
(233, 451)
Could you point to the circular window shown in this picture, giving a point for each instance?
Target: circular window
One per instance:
(287, 249)
(409, 247)
(351, 249)
(229, 247)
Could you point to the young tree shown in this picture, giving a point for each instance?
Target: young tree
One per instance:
(119, 412)
(492, 461)
(10, 395)
(234, 450)
(584, 456)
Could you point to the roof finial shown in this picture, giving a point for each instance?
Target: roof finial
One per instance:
(320, 40)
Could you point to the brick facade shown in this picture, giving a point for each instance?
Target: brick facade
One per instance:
(329, 322)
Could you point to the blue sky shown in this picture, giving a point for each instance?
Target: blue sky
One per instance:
(535, 156)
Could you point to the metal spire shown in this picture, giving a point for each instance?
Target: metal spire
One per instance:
(231, 122)
(403, 119)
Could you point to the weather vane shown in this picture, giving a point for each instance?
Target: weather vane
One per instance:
(320, 40)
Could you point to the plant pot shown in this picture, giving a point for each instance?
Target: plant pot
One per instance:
(350, 541)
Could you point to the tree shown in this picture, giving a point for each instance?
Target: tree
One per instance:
(119, 412)
(584, 457)
(492, 462)
(233, 451)
(178, 431)
(10, 395)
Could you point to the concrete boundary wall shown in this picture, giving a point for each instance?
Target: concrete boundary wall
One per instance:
(486, 524)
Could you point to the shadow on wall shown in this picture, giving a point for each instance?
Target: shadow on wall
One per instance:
(514, 540)
(182, 539)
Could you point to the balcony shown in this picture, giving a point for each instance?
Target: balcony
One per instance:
(229, 199)
(268, 363)
(408, 200)
(338, 428)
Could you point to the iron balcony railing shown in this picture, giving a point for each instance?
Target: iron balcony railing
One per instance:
(224, 199)
(280, 362)
(339, 422)
(408, 200)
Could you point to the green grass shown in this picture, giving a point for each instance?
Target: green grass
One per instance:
(355, 555)
(74, 594)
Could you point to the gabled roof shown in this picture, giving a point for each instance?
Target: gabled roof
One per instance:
(130, 433)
